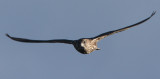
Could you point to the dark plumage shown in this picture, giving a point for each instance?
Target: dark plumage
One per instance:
(83, 45)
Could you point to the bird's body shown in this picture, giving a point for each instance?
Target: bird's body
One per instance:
(83, 45)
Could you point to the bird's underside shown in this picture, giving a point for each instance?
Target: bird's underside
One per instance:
(83, 45)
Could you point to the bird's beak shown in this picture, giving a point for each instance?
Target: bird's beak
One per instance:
(98, 49)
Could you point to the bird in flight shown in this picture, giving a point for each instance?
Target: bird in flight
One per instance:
(82, 45)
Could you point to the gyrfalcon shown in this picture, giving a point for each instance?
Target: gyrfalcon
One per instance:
(83, 45)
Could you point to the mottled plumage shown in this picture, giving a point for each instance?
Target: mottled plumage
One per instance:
(83, 45)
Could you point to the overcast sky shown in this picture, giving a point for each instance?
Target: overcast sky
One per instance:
(132, 54)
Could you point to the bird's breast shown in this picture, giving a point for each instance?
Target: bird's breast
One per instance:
(85, 46)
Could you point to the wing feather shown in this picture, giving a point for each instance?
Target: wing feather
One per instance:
(40, 41)
(103, 35)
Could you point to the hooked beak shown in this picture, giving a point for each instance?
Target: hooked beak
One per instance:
(98, 49)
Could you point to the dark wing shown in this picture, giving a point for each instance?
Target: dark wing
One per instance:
(103, 35)
(40, 41)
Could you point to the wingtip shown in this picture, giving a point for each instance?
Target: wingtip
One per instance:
(8, 35)
(153, 13)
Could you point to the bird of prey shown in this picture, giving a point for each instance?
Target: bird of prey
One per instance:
(82, 45)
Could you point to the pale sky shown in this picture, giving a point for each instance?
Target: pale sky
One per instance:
(132, 54)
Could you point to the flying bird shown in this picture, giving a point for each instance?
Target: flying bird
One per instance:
(82, 45)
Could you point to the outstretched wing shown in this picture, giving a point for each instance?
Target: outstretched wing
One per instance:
(40, 41)
(103, 35)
